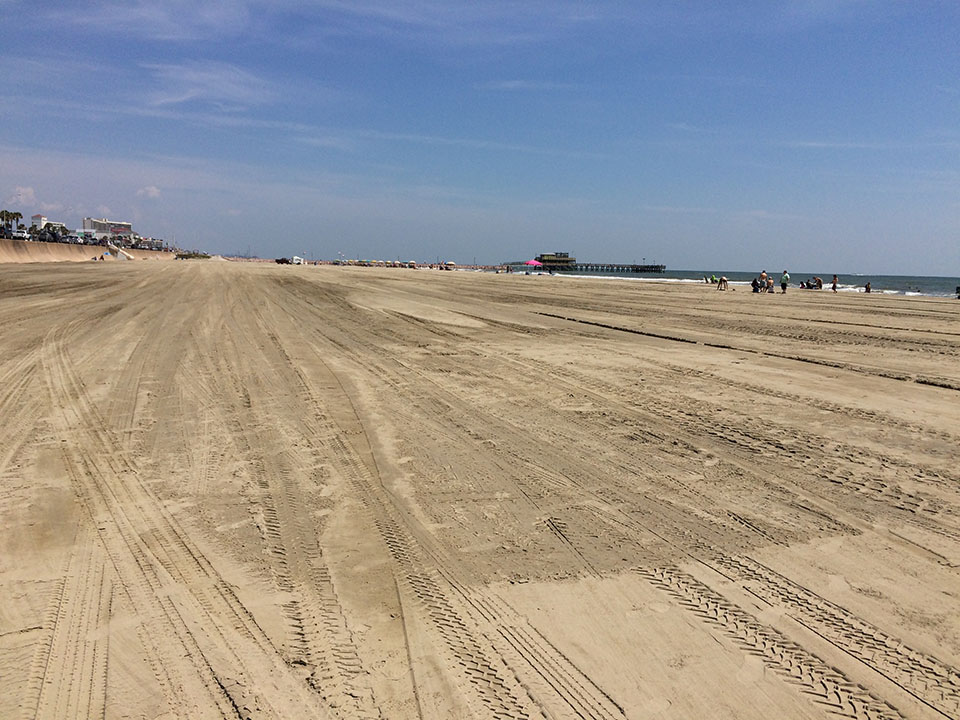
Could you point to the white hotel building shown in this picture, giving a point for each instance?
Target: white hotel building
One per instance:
(41, 222)
(102, 226)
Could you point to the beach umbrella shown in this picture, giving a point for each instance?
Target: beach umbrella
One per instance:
(533, 262)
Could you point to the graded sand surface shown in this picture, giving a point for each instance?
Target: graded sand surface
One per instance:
(244, 490)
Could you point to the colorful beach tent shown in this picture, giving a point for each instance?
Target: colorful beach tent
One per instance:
(533, 262)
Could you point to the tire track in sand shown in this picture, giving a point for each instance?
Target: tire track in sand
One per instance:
(199, 639)
(793, 663)
(453, 608)
(77, 638)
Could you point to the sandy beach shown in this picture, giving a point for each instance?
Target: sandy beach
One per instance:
(246, 490)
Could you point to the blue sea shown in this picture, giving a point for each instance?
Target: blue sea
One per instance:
(886, 284)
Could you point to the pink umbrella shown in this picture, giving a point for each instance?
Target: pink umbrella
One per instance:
(533, 262)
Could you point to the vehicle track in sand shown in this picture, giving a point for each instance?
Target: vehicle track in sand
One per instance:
(452, 608)
(925, 684)
(172, 586)
(278, 492)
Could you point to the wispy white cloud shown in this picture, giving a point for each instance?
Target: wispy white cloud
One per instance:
(679, 210)
(443, 22)
(521, 85)
(149, 191)
(172, 20)
(868, 145)
(344, 139)
(479, 144)
(804, 13)
(448, 22)
(26, 198)
(690, 128)
(757, 17)
(22, 197)
(760, 214)
(222, 84)
(331, 142)
(709, 80)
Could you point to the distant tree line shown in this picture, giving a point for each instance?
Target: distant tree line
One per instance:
(11, 221)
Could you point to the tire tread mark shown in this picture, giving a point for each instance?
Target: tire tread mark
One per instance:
(794, 664)
(930, 680)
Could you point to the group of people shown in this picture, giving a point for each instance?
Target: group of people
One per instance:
(764, 283)
(816, 283)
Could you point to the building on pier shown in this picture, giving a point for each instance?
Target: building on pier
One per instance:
(558, 259)
(563, 262)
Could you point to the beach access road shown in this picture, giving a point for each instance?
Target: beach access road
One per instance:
(245, 490)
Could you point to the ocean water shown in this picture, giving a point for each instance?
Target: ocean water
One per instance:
(885, 284)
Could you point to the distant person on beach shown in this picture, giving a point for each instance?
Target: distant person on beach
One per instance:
(755, 284)
(722, 283)
(835, 281)
(819, 282)
(784, 281)
(866, 288)
(770, 284)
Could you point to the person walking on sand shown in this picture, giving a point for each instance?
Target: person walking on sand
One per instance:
(835, 281)
(784, 281)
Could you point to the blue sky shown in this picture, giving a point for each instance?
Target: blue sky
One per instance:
(816, 135)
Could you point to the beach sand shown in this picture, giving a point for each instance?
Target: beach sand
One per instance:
(244, 490)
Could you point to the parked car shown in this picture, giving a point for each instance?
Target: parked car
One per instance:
(20, 235)
(283, 261)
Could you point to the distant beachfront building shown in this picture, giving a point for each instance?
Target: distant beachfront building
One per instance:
(41, 222)
(102, 226)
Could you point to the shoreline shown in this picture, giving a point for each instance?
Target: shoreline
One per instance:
(946, 283)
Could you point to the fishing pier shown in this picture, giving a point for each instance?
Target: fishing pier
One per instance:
(562, 262)
(617, 268)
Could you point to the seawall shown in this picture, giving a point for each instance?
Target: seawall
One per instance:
(21, 251)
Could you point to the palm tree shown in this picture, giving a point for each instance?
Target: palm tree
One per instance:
(4, 218)
(15, 216)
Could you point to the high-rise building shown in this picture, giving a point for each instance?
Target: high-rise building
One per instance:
(104, 226)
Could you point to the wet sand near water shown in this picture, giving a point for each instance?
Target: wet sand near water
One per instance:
(247, 490)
